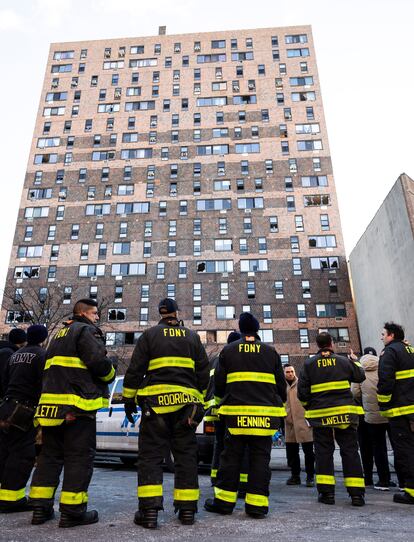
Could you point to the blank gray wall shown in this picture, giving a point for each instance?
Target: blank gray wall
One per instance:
(382, 270)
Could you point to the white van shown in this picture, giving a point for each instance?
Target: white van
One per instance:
(115, 435)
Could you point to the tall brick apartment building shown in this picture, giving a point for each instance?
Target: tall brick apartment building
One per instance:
(193, 166)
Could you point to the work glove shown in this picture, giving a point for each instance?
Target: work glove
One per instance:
(130, 408)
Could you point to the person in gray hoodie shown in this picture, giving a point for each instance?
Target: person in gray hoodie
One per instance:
(373, 427)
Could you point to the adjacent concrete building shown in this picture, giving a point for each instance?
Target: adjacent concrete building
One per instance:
(382, 266)
(195, 166)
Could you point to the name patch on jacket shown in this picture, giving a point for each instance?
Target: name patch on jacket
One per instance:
(46, 411)
(176, 398)
(326, 362)
(174, 332)
(62, 333)
(250, 348)
(253, 421)
(336, 420)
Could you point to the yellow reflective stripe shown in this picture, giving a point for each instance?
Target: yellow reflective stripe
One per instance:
(217, 399)
(243, 477)
(213, 473)
(342, 426)
(321, 412)
(73, 400)
(45, 422)
(186, 494)
(154, 490)
(247, 376)
(161, 389)
(39, 492)
(65, 361)
(129, 393)
(109, 376)
(68, 497)
(384, 398)
(328, 386)
(325, 479)
(212, 371)
(12, 494)
(209, 403)
(257, 500)
(211, 418)
(354, 482)
(357, 364)
(409, 490)
(241, 410)
(171, 361)
(258, 432)
(165, 409)
(408, 373)
(223, 495)
(398, 411)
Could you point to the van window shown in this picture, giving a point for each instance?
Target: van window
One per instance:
(117, 395)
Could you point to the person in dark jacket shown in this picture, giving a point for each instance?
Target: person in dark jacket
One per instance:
(396, 401)
(324, 389)
(16, 339)
(220, 427)
(168, 377)
(17, 445)
(75, 386)
(250, 389)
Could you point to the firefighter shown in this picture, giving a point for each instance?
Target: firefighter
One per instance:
(220, 427)
(75, 386)
(249, 380)
(324, 390)
(16, 339)
(17, 445)
(168, 377)
(396, 401)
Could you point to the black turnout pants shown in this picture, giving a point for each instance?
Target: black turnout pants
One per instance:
(257, 488)
(372, 439)
(220, 431)
(70, 446)
(160, 433)
(402, 432)
(324, 440)
(293, 458)
(17, 457)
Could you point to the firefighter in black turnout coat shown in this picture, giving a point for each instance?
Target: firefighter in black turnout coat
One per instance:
(250, 387)
(75, 386)
(18, 434)
(324, 388)
(168, 377)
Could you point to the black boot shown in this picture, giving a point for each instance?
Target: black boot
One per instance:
(70, 520)
(41, 514)
(147, 518)
(20, 506)
(326, 498)
(310, 481)
(186, 517)
(294, 480)
(403, 498)
(357, 500)
(211, 506)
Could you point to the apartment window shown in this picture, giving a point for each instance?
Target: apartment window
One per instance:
(275, 54)
(333, 286)
(219, 117)
(296, 266)
(279, 294)
(171, 291)
(247, 225)
(162, 208)
(224, 291)
(288, 184)
(99, 230)
(28, 234)
(290, 203)
(123, 229)
(183, 206)
(309, 113)
(222, 225)
(339, 334)
(197, 291)
(251, 290)
(324, 219)
(196, 247)
(299, 226)
(172, 228)
(160, 270)
(182, 270)
(316, 164)
(284, 145)
(121, 248)
(51, 233)
(293, 167)
(314, 181)
(145, 290)
(267, 314)
(304, 338)
(261, 70)
(102, 250)
(262, 242)
(172, 248)
(143, 316)
(301, 312)
(294, 243)
(306, 290)
(322, 241)
(330, 310)
(92, 270)
(223, 245)
(273, 224)
(147, 249)
(243, 249)
(34, 251)
(118, 294)
(197, 226)
(60, 212)
(225, 312)
(248, 266)
(197, 316)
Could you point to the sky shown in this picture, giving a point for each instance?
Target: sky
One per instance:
(365, 59)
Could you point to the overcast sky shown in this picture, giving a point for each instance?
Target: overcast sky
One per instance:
(365, 57)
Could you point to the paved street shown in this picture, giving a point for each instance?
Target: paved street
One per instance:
(294, 516)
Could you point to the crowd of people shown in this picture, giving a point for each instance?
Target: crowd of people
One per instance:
(353, 402)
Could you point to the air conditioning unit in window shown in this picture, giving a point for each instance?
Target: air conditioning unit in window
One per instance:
(251, 86)
(197, 48)
(94, 278)
(153, 124)
(247, 211)
(342, 344)
(152, 139)
(338, 319)
(177, 49)
(176, 77)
